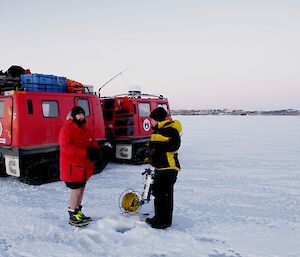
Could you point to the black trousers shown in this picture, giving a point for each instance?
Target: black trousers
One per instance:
(163, 190)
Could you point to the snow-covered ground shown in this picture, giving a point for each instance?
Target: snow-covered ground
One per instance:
(238, 195)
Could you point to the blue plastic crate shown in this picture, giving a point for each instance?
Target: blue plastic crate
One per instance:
(42, 82)
(42, 88)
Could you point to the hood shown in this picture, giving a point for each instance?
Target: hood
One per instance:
(173, 124)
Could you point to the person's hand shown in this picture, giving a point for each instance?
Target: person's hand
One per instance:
(148, 156)
(147, 160)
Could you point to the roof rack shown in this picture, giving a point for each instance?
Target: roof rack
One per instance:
(137, 94)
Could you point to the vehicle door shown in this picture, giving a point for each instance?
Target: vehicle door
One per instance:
(6, 116)
(87, 106)
(144, 123)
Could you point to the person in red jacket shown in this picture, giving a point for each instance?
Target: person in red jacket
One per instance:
(78, 151)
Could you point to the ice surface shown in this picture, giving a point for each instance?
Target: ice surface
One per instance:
(238, 195)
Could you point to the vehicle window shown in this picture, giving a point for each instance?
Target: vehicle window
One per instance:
(84, 103)
(29, 106)
(50, 108)
(144, 109)
(165, 106)
(1, 109)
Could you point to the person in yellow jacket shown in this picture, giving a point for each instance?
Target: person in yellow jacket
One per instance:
(163, 145)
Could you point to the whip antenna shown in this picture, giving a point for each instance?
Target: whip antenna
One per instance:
(111, 80)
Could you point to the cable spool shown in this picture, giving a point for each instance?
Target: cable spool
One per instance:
(130, 201)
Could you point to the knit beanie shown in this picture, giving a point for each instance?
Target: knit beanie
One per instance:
(76, 110)
(159, 114)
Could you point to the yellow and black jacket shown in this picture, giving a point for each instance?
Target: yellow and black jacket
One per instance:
(163, 144)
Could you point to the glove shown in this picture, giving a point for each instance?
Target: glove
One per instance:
(92, 154)
(148, 156)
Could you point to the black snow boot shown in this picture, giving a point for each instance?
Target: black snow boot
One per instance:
(84, 218)
(160, 221)
(76, 219)
(150, 221)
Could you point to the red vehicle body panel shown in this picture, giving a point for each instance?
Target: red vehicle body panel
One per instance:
(29, 130)
(127, 123)
(32, 128)
(125, 107)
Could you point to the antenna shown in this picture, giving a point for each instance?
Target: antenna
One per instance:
(111, 80)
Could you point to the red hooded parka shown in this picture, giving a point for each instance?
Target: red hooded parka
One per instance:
(75, 166)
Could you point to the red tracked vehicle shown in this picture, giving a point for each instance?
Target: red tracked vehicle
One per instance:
(127, 123)
(30, 123)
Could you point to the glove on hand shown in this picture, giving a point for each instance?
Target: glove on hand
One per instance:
(147, 160)
(92, 154)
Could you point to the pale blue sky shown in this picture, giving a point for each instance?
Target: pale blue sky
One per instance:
(199, 54)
